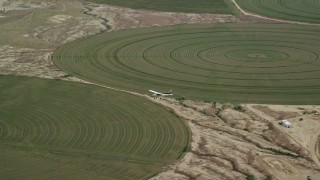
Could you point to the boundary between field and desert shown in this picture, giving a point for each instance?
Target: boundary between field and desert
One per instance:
(269, 18)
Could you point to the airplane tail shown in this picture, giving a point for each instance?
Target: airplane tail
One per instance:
(170, 92)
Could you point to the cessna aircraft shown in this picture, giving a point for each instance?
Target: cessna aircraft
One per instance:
(156, 94)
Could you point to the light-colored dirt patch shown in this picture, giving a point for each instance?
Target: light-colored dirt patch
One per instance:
(289, 168)
(220, 150)
(59, 18)
(65, 32)
(27, 61)
(125, 18)
(280, 165)
(172, 176)
(280, 112)
(305, 129)
(234, 118)
(9, 5)
(27, 47)
(317, 148)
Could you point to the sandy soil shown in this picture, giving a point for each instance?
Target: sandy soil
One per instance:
(125, 18)
(27, 61)
(231, 144)
(305, 120)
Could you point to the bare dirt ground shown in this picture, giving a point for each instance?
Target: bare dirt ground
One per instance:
(31, 30)
(227, 141)
(126, 18)
(306, 125)
(233, 142)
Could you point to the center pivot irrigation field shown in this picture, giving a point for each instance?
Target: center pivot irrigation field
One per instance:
(190, 6)
(62, 130)
(236, 63)
(294, 10)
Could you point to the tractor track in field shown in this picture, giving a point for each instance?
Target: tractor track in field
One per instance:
(269, 18)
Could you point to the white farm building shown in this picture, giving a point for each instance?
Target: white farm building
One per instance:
(286, 123)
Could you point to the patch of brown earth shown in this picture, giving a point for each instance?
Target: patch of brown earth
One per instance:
(34, 29)
(125, 18)
(27, 61)
(235, 143)
(303, 137)
(278, 115)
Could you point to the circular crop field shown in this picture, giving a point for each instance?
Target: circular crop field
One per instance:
(294, 10)
(236, 63)
(61, 130)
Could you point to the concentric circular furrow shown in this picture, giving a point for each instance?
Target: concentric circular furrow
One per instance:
(237, 63)
(294, 10)
(74, 119)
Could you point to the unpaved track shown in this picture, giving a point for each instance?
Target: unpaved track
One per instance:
(268, 18)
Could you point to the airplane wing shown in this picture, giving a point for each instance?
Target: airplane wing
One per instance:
(155, 92)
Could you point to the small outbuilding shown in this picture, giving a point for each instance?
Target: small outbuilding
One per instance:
(286, 123)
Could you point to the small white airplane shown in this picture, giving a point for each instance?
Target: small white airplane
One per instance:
(156, 94)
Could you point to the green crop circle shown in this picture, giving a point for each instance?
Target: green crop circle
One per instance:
(235, 63)
(257, 55)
